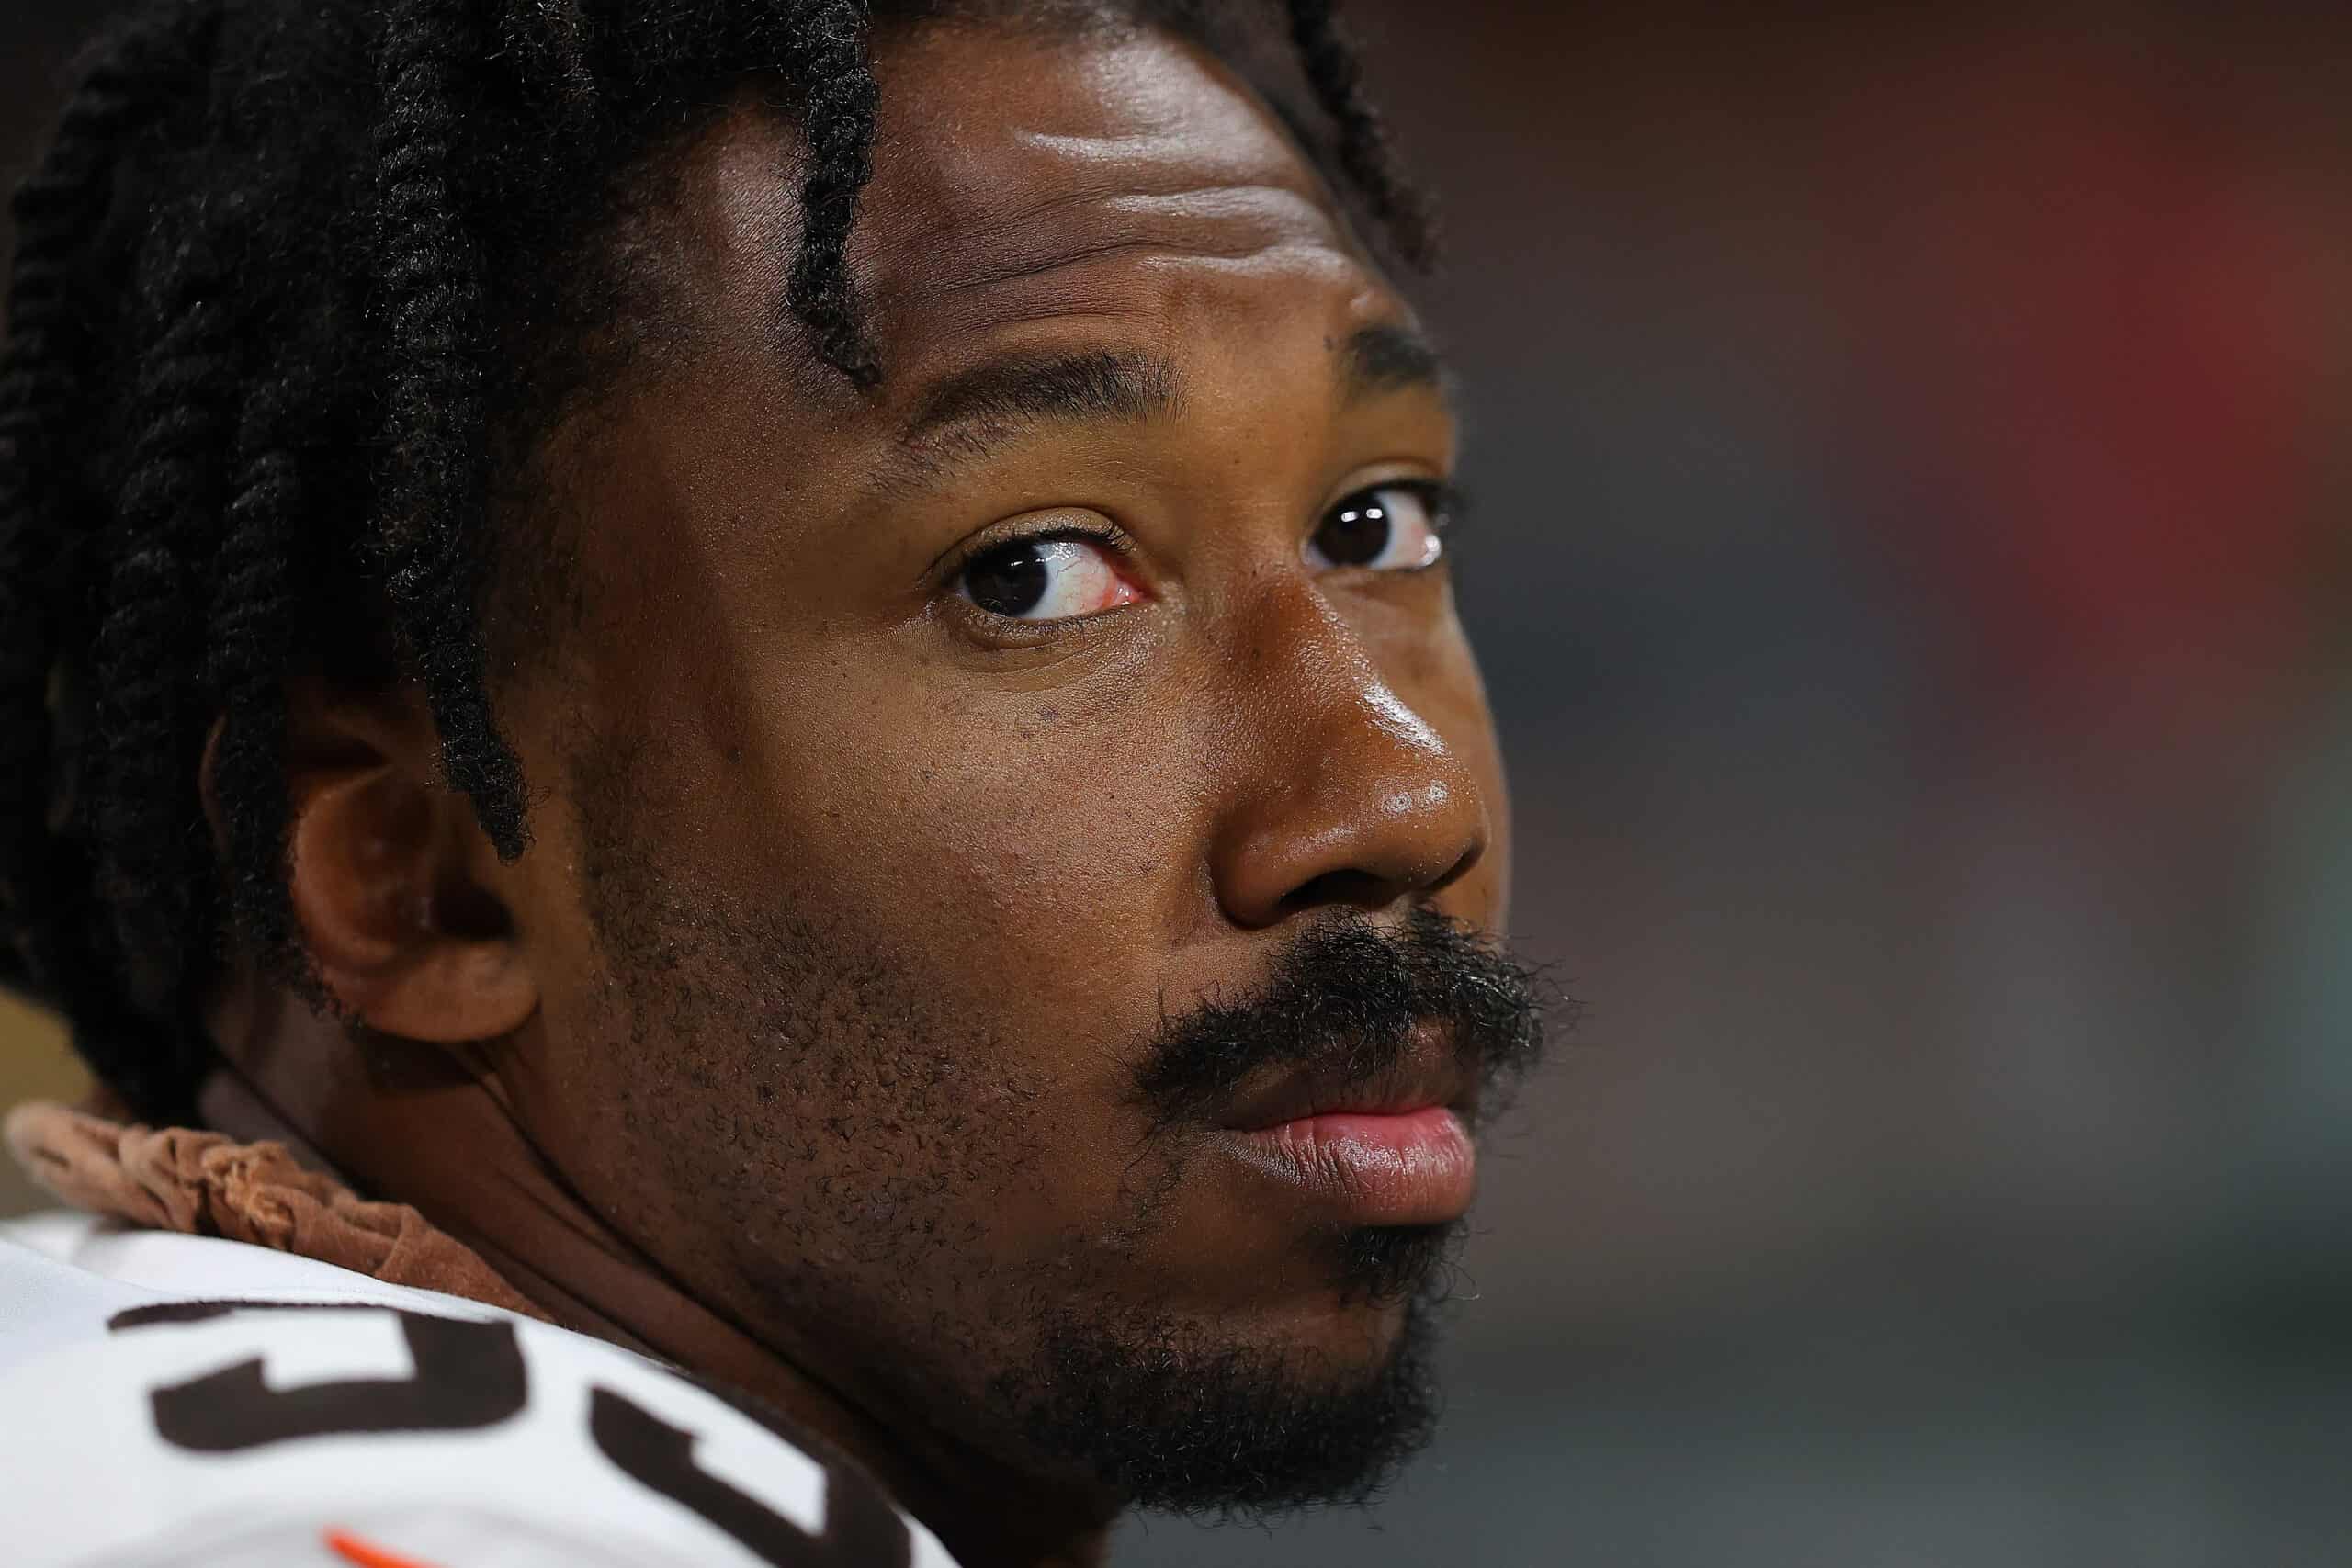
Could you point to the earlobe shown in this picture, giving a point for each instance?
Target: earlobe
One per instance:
(386, 874)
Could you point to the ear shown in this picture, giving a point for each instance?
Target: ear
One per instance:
(391, 877)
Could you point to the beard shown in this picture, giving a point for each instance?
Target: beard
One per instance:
(1173, 1415)
(859, 1186)
(1167, 1414)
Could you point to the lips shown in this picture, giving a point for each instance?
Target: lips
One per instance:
(1429, 1074)
(1390, 1150)
(1415, 1168)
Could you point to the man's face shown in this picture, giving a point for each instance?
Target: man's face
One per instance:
(979, 803)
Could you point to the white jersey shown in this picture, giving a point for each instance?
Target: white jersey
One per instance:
(180, 1401)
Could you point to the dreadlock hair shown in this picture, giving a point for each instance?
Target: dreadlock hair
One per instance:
(1335, 69)
(289, 292)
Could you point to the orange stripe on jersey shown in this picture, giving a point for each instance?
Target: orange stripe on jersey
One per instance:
(351, 1548)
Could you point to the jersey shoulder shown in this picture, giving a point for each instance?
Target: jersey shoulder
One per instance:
(222, 1408)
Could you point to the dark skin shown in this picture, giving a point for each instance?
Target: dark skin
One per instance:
(827, 1100)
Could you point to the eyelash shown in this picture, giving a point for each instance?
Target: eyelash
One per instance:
(1452, 497)
(1115, 538)
(1447, 502)
(1001, 631)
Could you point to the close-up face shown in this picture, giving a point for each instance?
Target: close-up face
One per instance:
(1016, 853)
(746, 813)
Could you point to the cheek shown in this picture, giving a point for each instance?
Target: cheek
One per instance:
(1015, 865)
(1035, 853)
(944, 1059)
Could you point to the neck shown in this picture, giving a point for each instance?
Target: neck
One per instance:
(505, 1201)
(987, 1518)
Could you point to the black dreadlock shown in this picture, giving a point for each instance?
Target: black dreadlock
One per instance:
(210, 485)
(1335, 69)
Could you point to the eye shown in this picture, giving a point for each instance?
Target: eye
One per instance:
(1392, 528)
(1054, 577)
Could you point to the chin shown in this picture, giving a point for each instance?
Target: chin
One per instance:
(1346, 1297)
(1317, 1401)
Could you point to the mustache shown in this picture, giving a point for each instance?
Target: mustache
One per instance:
(1349, 1002)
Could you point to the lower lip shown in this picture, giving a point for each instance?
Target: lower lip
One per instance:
(1411, 1167)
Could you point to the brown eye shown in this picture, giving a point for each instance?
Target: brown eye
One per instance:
(1386, 528)
(1009, 583)
(1054, 578)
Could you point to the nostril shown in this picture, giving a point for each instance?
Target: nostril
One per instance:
(1349, 885)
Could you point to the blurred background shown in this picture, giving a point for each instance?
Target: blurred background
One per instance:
(1911, 560)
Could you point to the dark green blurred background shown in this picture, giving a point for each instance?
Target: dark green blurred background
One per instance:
(1912, 565)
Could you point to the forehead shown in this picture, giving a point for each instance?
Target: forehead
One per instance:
(1025, 177)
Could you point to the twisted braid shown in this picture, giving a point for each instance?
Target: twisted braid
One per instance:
(551, 38)
(434, 480)
(254, 612)
(133, 82)
(836, 75)
(1335, 69)
(148, 863)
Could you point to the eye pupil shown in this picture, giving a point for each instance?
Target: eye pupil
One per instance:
(1010, 583)
(1356, 533)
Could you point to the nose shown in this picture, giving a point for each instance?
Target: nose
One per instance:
(1340, 793)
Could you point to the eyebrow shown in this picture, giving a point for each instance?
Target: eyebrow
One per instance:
(969, 410)
(1386, 357)
(1065, 388)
